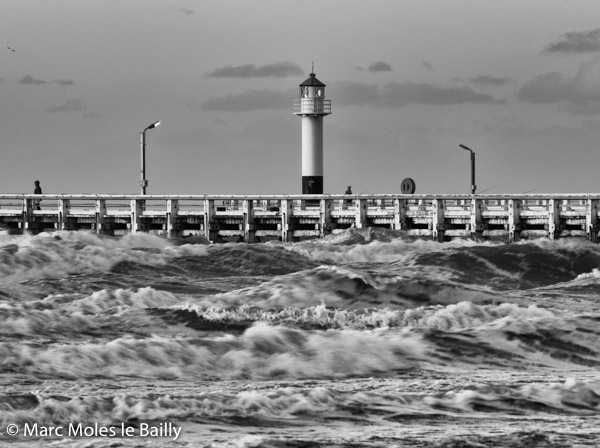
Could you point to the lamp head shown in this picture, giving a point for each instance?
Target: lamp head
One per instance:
(153, 125)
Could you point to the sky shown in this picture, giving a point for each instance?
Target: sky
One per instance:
(517, 81)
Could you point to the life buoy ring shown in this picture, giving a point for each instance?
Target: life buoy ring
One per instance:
(408, 186)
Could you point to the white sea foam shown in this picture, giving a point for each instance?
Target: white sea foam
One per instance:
(261, 352)
(396, 250)
(67, 314)
(53, 256)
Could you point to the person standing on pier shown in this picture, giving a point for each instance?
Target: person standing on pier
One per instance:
(348, 191)
(37, 190)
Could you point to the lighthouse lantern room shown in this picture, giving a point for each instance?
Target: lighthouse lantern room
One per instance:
(312, 107)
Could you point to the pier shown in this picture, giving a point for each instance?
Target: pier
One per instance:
(250, 218)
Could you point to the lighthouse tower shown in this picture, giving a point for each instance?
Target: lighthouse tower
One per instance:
(312, 107)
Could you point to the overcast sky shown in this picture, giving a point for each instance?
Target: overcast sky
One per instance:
(518, 81)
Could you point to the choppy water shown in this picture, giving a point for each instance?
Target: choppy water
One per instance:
(364, 339)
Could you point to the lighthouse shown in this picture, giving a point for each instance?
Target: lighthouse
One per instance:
(312, 107)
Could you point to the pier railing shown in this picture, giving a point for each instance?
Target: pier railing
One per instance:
(288, 217)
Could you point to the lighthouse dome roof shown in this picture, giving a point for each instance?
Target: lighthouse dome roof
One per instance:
(312, 81)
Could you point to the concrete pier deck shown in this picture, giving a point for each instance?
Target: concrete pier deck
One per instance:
(289, 217)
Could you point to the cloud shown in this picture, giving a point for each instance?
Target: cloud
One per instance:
(376, 67)
(354, 94)
(379, 66)
(65, 82)
(275, 70)
(580, 94)
(30, 80)
(485, 80)
(402, 94)
(74, 105)
(576, 42)
(583, 107)
(251, 100)
(427, 65)
(547, 88)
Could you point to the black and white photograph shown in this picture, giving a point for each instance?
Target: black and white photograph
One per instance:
(299, 224)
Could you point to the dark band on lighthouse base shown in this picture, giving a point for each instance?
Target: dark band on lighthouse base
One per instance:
(312, 184)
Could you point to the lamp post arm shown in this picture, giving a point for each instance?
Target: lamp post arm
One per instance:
(466, 147)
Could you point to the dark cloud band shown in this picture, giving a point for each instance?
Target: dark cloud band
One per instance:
(356, 94)
(275, 70)
(30, 80)
(576, 42)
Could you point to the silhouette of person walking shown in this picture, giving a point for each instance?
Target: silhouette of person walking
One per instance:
(348, 191)
(38, 190)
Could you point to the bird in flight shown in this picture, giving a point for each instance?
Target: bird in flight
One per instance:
(12, 49)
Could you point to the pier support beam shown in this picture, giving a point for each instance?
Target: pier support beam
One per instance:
(100, 216)
(591, 220)
(360, 207)
(324, 217)
(399, 214)
(27, 214)
(553, 219)
(211, 231)
(514, 225)
(437, 224)
(249, 227)
(172, 211)
(287, 234)
(476, 224)
(63, 211)
(137, 207)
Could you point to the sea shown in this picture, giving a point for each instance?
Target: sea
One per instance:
(366, 338)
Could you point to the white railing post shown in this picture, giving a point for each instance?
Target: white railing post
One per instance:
(324, 217)
(27, 214)
(476, 224)
(514, 220)
(437, 225)
(100, 215)
(287, 233)
(172, 212)
(63, 211)
(591, 220)
(399, 214)
(553, 218)
(360, 210)
(210, 227)
(136, 207)
(249, 227)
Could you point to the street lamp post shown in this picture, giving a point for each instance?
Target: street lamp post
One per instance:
(473, 186)
(144, 181)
